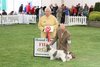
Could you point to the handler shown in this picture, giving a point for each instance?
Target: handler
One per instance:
(63, 37)
(50, 21)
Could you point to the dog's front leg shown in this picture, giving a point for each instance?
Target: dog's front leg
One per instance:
(63, 59)
(68, 59)
(51, 58)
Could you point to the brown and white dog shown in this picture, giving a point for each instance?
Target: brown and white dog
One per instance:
(58, 54)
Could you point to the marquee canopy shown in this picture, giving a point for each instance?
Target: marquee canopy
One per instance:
(10, 5)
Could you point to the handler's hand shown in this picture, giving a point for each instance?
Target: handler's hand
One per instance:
(48, 43)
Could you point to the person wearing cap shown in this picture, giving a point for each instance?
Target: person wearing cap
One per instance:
(48, 20)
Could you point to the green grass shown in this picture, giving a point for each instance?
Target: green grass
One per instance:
(16, 47)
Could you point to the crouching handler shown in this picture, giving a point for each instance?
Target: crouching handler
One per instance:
(63, 37)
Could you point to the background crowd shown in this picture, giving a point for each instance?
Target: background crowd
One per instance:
(58, 11)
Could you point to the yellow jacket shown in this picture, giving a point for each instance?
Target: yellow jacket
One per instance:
(52, 21)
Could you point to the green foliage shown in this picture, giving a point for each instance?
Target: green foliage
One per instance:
(97, 6)
(16, 47)
(94, 16)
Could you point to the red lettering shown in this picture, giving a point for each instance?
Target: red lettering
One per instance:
(39, 44)
(42, 44)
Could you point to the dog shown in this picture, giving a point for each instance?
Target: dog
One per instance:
(58, 54)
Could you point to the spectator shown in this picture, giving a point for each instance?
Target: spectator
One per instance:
(11, 13)
(78, 7)
(44, 8)
(63, 14)
(52, 10)
(21, 9)
(73, 11)
(91, 9)
(37, 13)
(86, 10)
(28, 8)
(32, 10)
(4, 12)
(67, 13)
(59, 14)
(80, 12)
(41, 12)
(55, 9)
(25, 9)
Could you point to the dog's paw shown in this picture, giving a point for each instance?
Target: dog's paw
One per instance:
(51, 58)
(64, 60)
(68, 59)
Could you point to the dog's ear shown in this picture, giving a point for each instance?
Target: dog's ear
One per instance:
(73, 55)
(70, 52)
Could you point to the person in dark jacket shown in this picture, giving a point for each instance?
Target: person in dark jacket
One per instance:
(21, 8)
(63, 37)
(4, 12)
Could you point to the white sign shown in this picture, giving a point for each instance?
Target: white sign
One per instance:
(40, 47)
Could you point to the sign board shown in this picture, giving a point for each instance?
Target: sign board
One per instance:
(40, 47)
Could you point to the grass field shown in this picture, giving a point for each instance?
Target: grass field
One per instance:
(16, 47)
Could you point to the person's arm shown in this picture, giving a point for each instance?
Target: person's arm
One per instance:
(68, 39)
(56, 23)
(40, 25)
(55, 39)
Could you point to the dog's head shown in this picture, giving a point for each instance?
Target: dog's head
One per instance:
(71, 53)
(48, 48)
(69, 56)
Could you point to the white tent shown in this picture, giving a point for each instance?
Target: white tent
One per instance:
(14, 4)
(69, 3)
